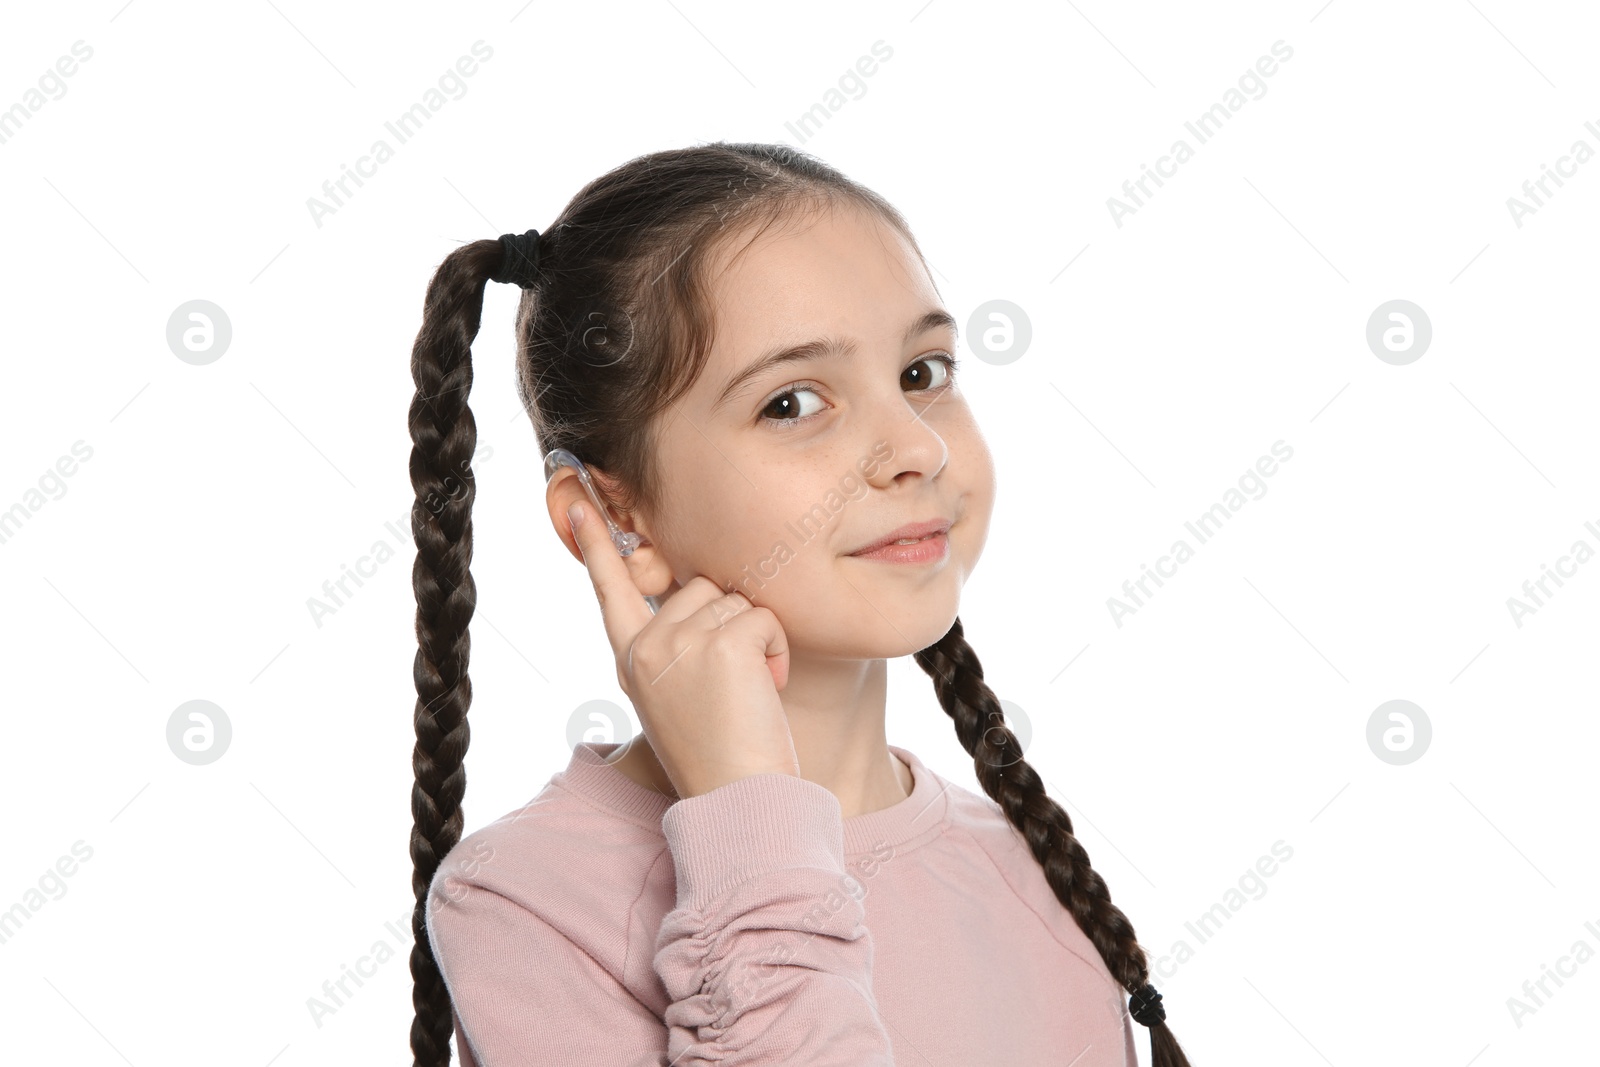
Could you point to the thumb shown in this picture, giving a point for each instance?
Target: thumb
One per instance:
(779, 666)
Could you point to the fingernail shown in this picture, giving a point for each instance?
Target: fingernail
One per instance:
(575, 515)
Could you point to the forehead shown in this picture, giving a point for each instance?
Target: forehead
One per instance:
(842, 271)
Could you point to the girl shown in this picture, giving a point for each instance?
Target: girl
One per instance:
(759, 878)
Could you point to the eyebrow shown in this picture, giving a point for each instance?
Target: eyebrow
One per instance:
(826, 348)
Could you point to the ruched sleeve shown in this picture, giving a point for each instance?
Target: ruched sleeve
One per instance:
(766, 957)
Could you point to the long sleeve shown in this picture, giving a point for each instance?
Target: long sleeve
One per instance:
(525, 995)
(605, 924)
(766, 957)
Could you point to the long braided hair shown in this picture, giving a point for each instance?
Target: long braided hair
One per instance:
(613, 326)
(1017, 788)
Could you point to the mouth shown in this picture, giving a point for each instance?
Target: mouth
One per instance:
(918, 542)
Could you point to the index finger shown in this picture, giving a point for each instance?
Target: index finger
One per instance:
(622, 606)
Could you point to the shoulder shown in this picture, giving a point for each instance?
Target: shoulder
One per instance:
(573, 865)
(979, 817)
(972, 821)
(980, 821)
(978, 824)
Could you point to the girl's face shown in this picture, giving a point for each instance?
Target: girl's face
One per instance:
(774, 474)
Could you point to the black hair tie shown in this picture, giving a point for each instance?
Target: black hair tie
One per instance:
(519, 260)
(1145, 1006)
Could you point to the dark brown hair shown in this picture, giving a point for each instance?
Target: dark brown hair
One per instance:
(615, 329)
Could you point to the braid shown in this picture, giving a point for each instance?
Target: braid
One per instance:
(657, 216)
(1017, 788)
(444, 436)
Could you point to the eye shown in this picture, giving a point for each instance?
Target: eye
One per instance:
(784, 410)
(944, 360)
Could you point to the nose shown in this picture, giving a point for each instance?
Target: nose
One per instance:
(914, 447)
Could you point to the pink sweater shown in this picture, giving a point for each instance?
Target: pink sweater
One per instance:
(606, 925)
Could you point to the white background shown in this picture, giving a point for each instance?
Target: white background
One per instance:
(1168, 354)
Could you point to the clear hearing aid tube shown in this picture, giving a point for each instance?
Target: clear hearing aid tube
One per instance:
(625, 540)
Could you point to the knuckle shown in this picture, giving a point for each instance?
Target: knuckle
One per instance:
(641, 655)
(653, 654)
(703, 580)
(725, 609)
(723, 644)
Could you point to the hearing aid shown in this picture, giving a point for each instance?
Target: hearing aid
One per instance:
(624, 540)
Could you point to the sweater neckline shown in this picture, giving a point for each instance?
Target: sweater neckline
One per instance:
(925, 810)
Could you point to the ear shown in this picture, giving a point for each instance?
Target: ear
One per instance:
(646, 566)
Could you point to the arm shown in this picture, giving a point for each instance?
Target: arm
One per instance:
(766, 958)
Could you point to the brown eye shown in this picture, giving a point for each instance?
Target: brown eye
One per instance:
(786, 407)
(923, 381)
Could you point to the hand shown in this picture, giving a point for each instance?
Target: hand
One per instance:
(703, 672)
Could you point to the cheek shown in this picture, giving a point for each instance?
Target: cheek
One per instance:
(689, 540)
(974, 470)
(790, 545)
(971, 462)
(749, 537)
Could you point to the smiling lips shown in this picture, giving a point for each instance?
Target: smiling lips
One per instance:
(908, 536)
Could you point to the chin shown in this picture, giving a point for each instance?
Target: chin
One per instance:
(913, 628)
(930, 629)
(870, 633)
